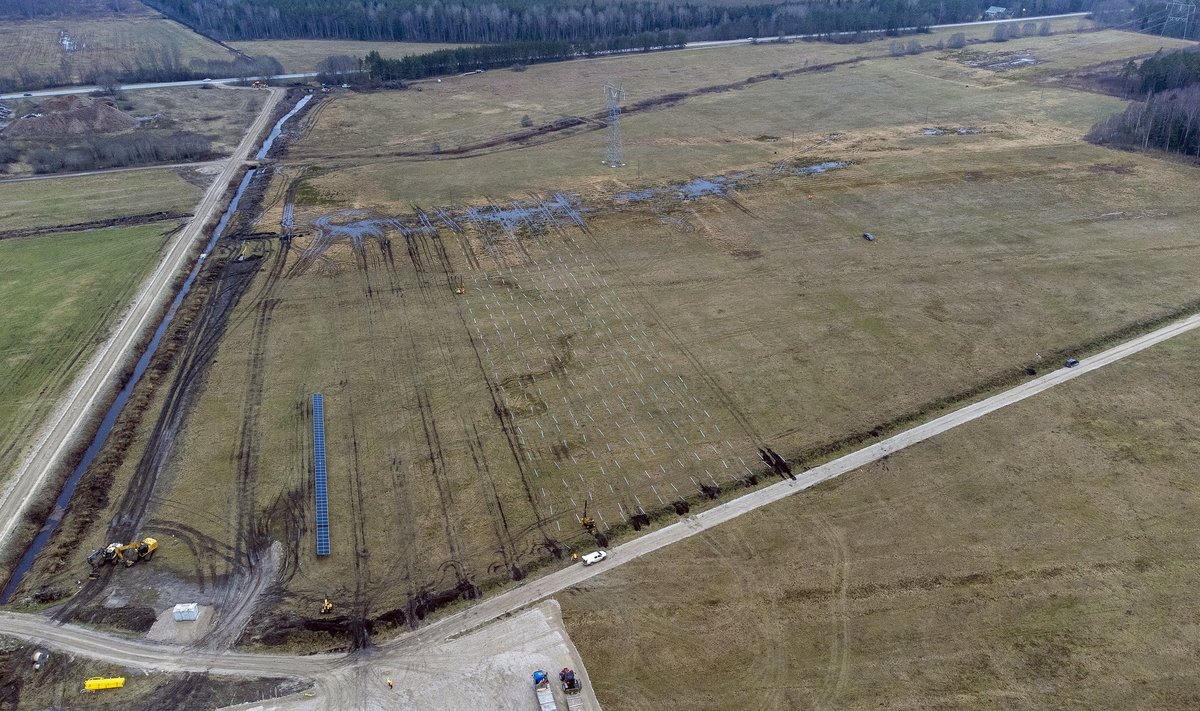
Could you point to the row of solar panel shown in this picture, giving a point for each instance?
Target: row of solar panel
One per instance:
(322, 482)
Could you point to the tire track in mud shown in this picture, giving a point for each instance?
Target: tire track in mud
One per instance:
(366, 587)
(201, 341)
(359, 635)
(504, 417)
(436, 454)
(505, 420)
(495, 505)
(291, 505)
(246, 579)
(437, 469)
(225, 283)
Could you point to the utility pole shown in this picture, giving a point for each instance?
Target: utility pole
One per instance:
(1179, 13)
(614, 154)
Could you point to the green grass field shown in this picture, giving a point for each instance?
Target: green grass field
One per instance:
(62, 292)
(304, 55)
(1044, 555)
(69, 201)
(35, 48)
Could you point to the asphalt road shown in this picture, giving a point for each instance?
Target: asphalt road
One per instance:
(87, 395)
(346, 676)
(689, 45)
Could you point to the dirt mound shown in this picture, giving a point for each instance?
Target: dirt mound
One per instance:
(64, 115)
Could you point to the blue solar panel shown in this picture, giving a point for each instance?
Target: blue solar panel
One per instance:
(322, 488)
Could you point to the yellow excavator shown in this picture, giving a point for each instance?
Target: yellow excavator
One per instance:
(589, 524)
(326, 607)
(127, 553)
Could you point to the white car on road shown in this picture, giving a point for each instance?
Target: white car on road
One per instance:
(594, 557)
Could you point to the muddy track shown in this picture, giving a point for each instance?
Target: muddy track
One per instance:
(196, 356)
(359, 634)
(504, 539)
(509, 432)
(147, 218)
(289, 515)
(506, 545)
(250, 433)
(226, 283)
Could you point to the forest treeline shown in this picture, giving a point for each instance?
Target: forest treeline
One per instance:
(99, 151)
(1168, 118)
(578, 21)
(148, 64)
(466, 59)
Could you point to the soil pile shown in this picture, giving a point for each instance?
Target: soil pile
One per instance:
(65, 115)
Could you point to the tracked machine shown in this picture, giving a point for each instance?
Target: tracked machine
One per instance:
(117, 552)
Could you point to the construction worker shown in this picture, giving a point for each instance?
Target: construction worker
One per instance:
(390, 686)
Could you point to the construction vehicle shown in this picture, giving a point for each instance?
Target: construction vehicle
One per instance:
(588, 524)
(127, 553)
(570, 683)
(326, 607)
(571, 686)
(545, 694)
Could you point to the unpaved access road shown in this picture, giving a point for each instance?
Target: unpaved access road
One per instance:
(106, 171)
(349, 678)
(97, 380)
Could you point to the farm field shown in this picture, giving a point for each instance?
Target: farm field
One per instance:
(1045, 551)
(61, 294)
(34, 49)
(697, 121)
(86, 198)
(300, 55)
(530, 336)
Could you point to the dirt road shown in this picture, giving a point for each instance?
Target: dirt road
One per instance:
(354, 679)
(93, 385)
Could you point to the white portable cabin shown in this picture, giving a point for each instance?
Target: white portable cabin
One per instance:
(187, 612)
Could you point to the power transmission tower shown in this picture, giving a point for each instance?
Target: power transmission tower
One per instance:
(614, 155)
(1179, 13)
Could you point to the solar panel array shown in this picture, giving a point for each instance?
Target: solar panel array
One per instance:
(322, 489)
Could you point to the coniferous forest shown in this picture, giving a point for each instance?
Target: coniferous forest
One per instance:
(576, 21)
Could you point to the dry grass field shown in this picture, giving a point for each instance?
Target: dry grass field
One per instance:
(78, 47)
(220, 114)
(73, 200)
(624, 344)
(712, 129)
(1042, 556)
(304, 55)
(61, 293)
